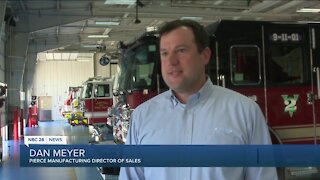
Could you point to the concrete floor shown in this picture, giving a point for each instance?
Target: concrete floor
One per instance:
(10, 167)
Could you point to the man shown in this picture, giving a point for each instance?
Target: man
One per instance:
(194, 111)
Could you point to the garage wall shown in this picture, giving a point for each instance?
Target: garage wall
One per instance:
(53, 78)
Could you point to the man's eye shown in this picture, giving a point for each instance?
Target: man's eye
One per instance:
(163, 54)
(181, 50)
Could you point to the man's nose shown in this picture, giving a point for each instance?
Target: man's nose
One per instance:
(173, 59)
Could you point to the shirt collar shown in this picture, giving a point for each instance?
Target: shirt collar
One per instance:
(196, 97)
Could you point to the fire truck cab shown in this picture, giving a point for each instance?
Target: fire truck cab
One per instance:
(66, 109)
(139, 80)
(96, 98)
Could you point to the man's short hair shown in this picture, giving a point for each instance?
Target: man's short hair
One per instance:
(200, 34)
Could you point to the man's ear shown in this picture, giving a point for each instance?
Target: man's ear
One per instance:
(206, 54)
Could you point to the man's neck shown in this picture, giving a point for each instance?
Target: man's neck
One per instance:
(184, 96)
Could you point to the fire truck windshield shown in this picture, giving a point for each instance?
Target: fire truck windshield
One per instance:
(87, 91)
(138, 67)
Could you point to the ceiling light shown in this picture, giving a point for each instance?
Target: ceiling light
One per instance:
(90, 45)
(108, 23)
(98, 36)
(128, 2)
(83, 60)
(49, 56)
(308, 10)
(151, 29)
(191, 18)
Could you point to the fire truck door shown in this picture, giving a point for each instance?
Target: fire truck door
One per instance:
(238, 66)
(237, 62)
(289, 83)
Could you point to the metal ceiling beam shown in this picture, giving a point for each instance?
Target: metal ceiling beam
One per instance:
(160, 12)
(288, 5)
(210, 6)
(75, 37)
(295, 5)
(264, 5)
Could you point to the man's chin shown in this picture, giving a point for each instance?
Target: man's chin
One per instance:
(173, 84)
(177, 88)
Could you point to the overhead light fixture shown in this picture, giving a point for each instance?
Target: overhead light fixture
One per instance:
(107, 23)
(89, 45)
(125, 2)
(83, 60)
(98, 36)
(195, 18)
(151, 28)
(308, 10)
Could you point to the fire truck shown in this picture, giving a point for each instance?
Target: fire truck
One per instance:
(274, 63)
(96, 98)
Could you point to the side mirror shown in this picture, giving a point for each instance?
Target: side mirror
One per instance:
(115, 93)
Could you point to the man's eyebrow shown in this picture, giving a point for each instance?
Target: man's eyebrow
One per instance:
(178, 46)
(182, 45)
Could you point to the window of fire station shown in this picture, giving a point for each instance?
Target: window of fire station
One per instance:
(102, 90)
(245, 65)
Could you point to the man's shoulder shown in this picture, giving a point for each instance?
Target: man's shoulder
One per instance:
(158, 99)
(229, 94)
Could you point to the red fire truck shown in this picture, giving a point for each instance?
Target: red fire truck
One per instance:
(96, 98)
(274, 63)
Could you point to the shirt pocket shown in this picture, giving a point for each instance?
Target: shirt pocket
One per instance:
(223, 136)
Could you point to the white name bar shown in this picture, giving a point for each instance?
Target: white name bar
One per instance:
(45, 140)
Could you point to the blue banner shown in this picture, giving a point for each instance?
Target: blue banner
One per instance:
(170, 155)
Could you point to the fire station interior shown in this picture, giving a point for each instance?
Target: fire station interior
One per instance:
(59, 58)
